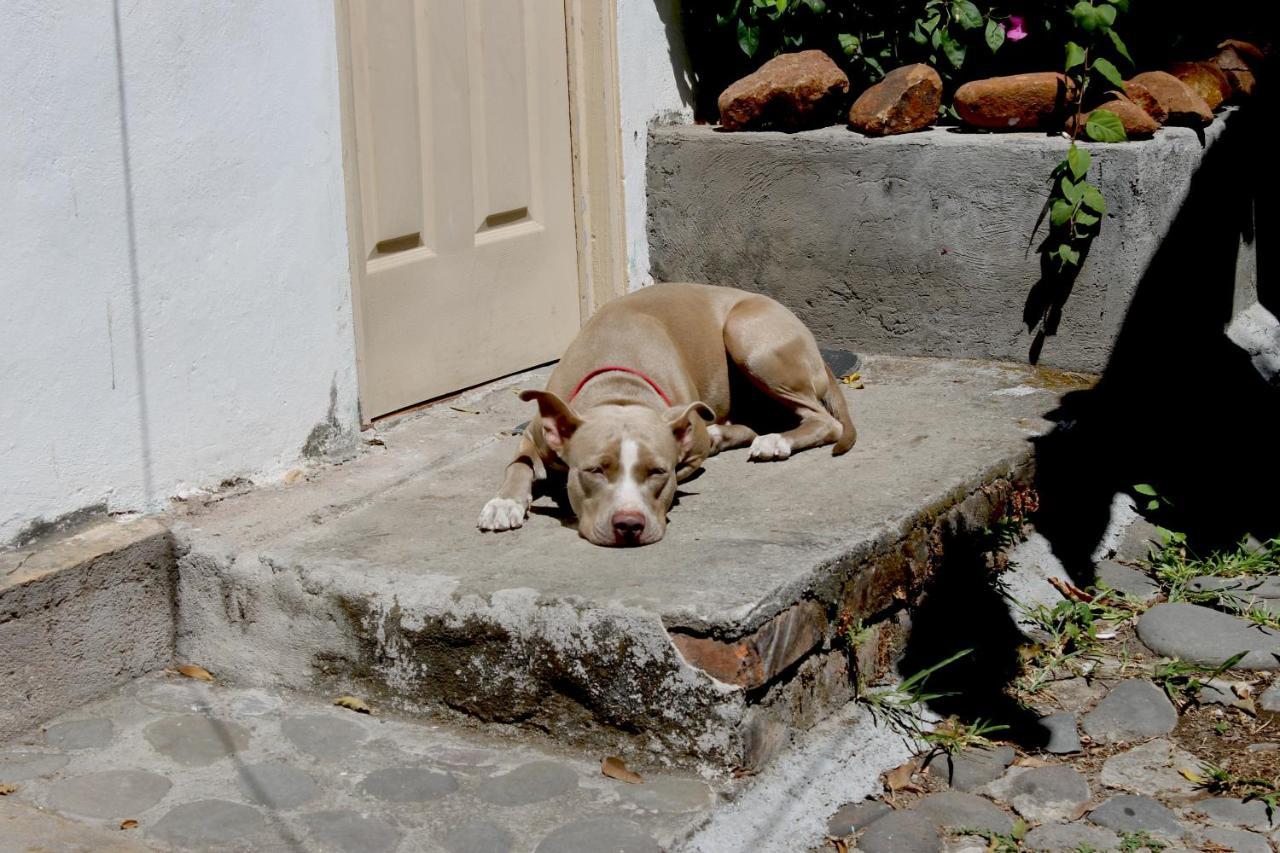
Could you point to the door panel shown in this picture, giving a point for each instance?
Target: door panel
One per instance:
(461, 125)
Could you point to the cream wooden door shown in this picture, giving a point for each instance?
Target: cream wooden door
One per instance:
(460, 116)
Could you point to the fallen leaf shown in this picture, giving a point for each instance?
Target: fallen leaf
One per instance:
(1191, 776)
(6, 789)
(900, 777)
(1032, 761)
(1070, 590)
(199, 673)
(465, 411)
(1105, 635)
(1242, 689)
(1081, 810)
(292, 475)
(1020, 829)
(129, 824)
(616, 768)
(838, 844)
(351, 703)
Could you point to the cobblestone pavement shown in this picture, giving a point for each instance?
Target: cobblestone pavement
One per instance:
(204, 766)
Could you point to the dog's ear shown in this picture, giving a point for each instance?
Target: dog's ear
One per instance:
(685, 422)
(558, 420)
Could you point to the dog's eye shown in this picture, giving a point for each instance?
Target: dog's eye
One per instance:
(594, 470)
(657, 472)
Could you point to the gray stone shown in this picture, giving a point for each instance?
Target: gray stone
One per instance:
(177, 696)
(1064, 738)
(1235, 840)
(1074, 694)
(408, 784)
(276, 786)
(350, 832)
(1139, 540)
(79, 734)
(528, 783)
(1134, 710)
(254, 703)
(1064, 837)
(1269, 701)
(1209, 637)
(1043, 794)
(901, 832)
(194, 741)
(479, 836)
(110, 794)
(20, 766)
(324, 737)
(972, 768)
(206, 822)
(1233, 812)
(1217, 691)
(851, 817)
(596, 835)
(1246, 590)
(1127, 580)
(1133, 813)
(1151, 769)
(953, 810)
(667, 795)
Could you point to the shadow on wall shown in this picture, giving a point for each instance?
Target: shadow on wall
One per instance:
(677, 52)
(1179, 406)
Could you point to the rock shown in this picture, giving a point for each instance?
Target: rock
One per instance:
(596, 834)
(193, 740)
(1063, 735)
(851, 817)
(276, 786)
(1074, 693)
(1141, 537)
(953, 810)
(1233, 812)
(79, 734)
(1248, 51)
(529, 783)
(1269, 701)
(479, 836)
(972, 768)
(1142, 96)
(208, 822)
(1151, 769)
(793, 91)
(1235, 840)
(1131, 813)
(1184, 108)
(901, 832)
(1017, 102)
(1127, 580)
(1064, 837)
(666, 795)
(1217, 691)
(20, 766)
(1133, 710)
(351, 832)
(1238, 69)
(1136, 121)
(1043, 793)
(323, 737)
(1206, 79)
(1208, 637)
(1243, 593)
(407, 784)
(110, 794)
(906, 99)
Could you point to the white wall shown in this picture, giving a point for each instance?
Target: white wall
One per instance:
(207, 343)
(653, 80)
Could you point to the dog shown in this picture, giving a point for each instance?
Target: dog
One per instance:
(656, 382)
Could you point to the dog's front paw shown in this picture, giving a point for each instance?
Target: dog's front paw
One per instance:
(501, 514)
(770, 448)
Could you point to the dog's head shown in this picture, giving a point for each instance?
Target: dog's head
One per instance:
(623, 463)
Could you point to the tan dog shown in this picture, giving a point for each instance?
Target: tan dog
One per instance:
(622, 417)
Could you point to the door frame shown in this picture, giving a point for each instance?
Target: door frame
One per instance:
(595, 134)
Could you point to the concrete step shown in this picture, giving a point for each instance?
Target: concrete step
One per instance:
(712, 646)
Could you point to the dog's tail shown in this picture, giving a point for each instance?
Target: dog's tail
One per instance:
(836, 404)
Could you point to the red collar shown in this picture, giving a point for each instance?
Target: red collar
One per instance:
(593, 374)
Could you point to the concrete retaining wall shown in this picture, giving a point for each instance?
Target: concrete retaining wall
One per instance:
(922, 244)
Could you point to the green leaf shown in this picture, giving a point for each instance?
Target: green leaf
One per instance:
(1105, 15)
(849, 44)
(874, 65)
(937, 36)
(1079, 161)
(817, 6)
(1072, 192)
(1105, 126)
(1060, 213)
(994, 35)
(930, 24)
(1068, 255)
(966, 14)
(1119, 45)
(918, 35)
(1092, 198)
(1086, 16)
(1122, 5)
(1152, 505)
(748, 38)
(1075, 55)
(1088, 220)
(1110, 72)
(955, 52)
(1145, 489)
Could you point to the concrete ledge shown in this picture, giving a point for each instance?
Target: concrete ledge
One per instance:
(712, 646)
(82, 615)
(925, 244)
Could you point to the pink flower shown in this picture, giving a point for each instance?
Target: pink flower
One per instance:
(1014, 31)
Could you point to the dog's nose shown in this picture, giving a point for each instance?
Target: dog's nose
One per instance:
(628, 524)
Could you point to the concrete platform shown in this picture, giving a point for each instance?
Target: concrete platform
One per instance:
(713, 645)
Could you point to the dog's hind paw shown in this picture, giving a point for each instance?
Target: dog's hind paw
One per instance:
(502, 514)
(770, 448)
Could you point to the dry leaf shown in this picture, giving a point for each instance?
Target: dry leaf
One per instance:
(839, 844)
(129, 824)
(465, 411)
(292, 476)
(351, 703)
(199, 673)
(1070, 590)
(1032, 761)
(1081, 810)
(851, 378)
(1191, 776)
(616, 768)
(6, 789)
(899, 777)
(1242, 689)
(1105, 635)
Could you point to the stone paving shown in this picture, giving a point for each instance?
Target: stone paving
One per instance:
(204, 766)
